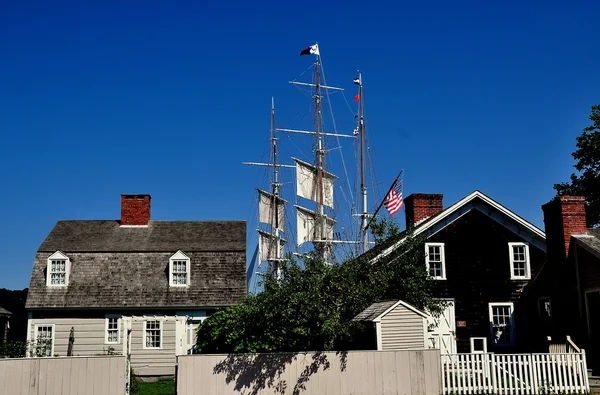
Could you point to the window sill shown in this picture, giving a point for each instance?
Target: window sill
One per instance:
(179, 285)
(525, 278)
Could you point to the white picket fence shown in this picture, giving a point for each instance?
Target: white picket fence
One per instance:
(522, 374)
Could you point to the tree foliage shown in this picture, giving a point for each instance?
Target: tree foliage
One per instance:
(587, 182)
(312, 306)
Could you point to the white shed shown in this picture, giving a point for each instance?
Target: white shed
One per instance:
(398, 325)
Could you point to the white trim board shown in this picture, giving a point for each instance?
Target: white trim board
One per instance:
(398, 303)
(478, 201)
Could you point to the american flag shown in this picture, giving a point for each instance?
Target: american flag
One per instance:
(393, 201)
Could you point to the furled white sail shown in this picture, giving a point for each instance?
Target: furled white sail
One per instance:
(267, 247)
(266, 209)
(306, 230)
(307, 186)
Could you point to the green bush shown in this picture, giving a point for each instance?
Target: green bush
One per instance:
(13, 349)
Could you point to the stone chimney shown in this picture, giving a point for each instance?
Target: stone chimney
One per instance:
(420, 206)
(135, 209)
(563, 216)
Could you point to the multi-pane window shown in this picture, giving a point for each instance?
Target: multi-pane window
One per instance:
(44, 344)
(436, 264)
(501, 322)
(112, 329)
(179, 270)
(57, 269)
(58, 272)
(152, 334)
(519, 261)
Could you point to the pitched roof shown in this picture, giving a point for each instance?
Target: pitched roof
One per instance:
(590, 241)
(128, 267)
(105, 236)
(478, 201)
(374, 310)
(378, 309)
(4, 312)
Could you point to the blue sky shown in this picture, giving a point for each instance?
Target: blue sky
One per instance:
(168, 98)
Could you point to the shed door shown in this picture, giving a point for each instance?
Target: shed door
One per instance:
(442, 331)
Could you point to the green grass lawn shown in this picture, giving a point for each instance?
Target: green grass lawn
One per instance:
(160, 387)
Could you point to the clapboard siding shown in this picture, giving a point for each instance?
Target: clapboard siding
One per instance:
(89, 334)
(402, 328)
(90, 340)
(153, 362)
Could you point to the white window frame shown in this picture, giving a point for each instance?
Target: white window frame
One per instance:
(484, 351)
(512, 323)
(527, 275)
(442, 257)
(57, 256)
(35, 336)
(179, 256)
(107, 318)
(160, 324)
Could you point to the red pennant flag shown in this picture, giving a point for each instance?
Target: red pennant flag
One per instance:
(356, 98)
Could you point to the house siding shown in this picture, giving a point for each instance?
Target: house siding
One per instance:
(478, 273)
(401, 329)
(90, 341)
(153, 362)
(89, 335)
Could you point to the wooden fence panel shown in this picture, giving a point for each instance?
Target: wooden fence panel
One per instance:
(407, 372)
(64, 376)
(516, 374)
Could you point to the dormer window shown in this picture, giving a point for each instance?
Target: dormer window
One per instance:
(519, 261)
(58, 268)
(435, 260)
(179, 270)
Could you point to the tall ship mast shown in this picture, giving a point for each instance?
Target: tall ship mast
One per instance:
(316, 212)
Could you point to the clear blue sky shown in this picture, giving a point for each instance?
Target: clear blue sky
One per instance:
(168, 98)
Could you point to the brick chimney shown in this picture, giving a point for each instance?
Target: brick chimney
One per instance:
(563, 216)
(420, 206)
(135, 209)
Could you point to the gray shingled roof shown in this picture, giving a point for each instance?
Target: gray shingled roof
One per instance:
(4, 312)
(591, 242)
(374, 310)
(107, 236)
(117, 267)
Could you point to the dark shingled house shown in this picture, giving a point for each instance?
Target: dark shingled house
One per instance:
(134, 285)
(566, 297)
(482, 257)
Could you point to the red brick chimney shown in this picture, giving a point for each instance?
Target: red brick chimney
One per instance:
(420, 206)
(563, 216)
(135, 209)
